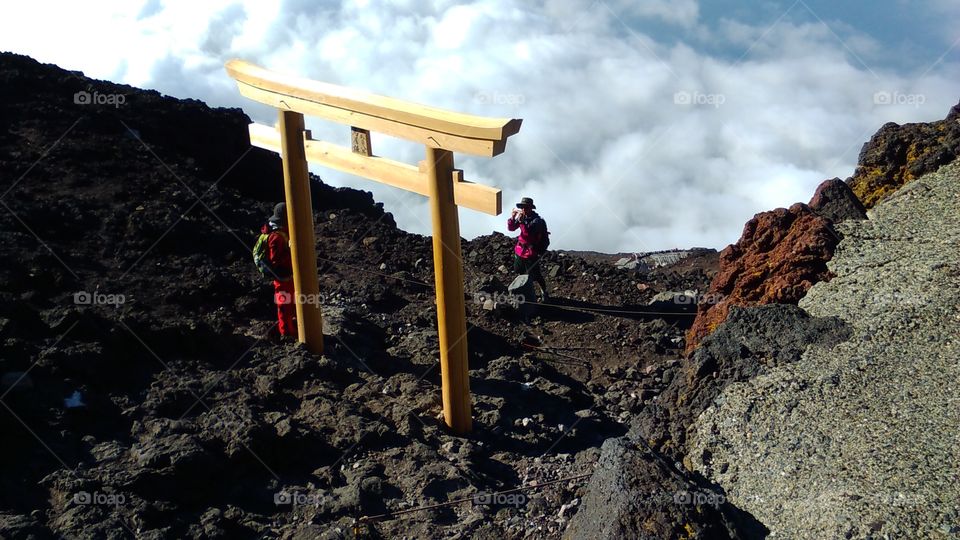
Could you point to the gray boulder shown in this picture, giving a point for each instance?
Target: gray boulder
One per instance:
(637, 493)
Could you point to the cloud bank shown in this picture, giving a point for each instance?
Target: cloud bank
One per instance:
(629, 142)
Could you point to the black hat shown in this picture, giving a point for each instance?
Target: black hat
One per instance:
(279, 214)
(526, 201)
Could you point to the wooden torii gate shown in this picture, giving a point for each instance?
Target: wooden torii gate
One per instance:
(441, 132)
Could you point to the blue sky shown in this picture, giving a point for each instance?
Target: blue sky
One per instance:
(648, 125)
(913, 33)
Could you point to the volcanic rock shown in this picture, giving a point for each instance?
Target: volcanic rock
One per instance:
(783, 253)
(835, 201)
(897, 154)
(750, 342)
(780, 255)
(637, 493)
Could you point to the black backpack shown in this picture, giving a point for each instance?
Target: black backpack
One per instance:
(541, 246)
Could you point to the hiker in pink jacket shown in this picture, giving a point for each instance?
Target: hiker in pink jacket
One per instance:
(532, 244)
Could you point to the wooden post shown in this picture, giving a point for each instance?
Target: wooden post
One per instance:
(303, 251)
(448, 273)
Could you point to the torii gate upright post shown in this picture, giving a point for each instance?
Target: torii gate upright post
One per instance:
(441, 132)
(448, 274)
(303, 248)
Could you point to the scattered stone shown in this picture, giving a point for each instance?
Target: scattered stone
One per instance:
(567, 507)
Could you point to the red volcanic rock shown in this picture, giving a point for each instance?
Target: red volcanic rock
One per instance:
(780, 255)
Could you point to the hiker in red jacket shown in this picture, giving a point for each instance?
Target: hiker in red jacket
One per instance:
(532, 243)
(278, 255)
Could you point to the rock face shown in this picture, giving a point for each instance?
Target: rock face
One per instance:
(859, 439)
(780, 255)
(897, 154)
(835, 201)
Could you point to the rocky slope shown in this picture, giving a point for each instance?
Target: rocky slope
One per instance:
(858, 439)
(140, 400)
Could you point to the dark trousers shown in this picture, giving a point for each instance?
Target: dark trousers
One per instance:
(530, 267)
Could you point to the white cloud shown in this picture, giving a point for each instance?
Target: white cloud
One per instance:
(613, 161)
